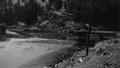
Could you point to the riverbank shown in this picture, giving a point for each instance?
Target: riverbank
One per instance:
(105, 54)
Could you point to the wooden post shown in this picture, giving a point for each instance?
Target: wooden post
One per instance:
(91, 6)
(2, 29)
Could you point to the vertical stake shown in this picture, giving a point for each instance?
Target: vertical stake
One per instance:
(91, 6)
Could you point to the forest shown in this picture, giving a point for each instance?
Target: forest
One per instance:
(30, 12)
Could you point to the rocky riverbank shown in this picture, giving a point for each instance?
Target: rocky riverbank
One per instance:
(105, 54)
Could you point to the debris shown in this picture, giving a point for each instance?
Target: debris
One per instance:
(45, 67)
(80, 60)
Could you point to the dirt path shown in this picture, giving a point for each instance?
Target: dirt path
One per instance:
(27, 53)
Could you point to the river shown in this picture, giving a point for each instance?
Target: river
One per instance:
(33, 52)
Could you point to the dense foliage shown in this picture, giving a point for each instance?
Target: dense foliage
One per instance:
(28, 11)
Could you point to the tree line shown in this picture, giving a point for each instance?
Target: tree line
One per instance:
(28, 11)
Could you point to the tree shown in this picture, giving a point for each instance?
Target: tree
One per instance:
(31, 12)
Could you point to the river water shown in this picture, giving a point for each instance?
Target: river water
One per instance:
(33, 52)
